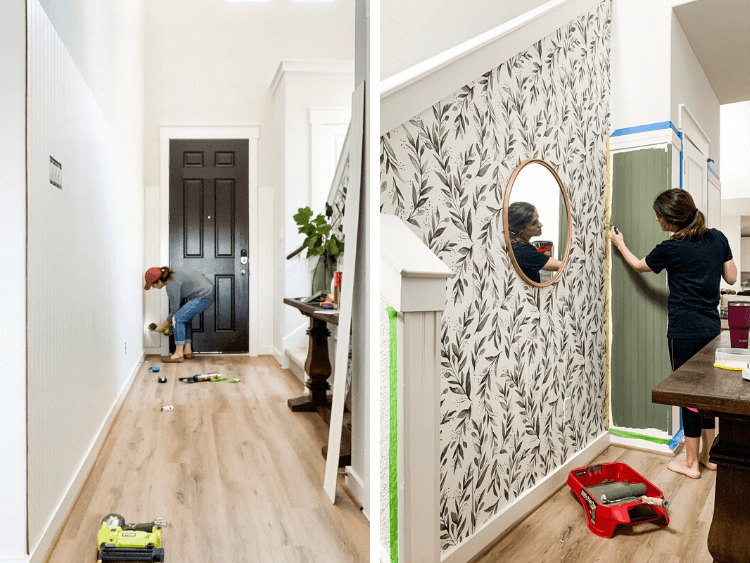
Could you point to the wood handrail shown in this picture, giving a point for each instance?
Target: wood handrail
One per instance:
(294, 253)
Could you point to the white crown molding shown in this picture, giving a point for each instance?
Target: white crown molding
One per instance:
(311, 66)
(410, 92)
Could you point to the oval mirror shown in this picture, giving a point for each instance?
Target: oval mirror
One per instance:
(536, 223)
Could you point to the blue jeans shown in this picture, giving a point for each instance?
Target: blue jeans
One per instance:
(183, 326)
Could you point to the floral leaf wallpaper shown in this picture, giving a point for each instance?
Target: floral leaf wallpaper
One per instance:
(511, 353)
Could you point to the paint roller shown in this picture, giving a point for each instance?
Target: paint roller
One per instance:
(635, 491)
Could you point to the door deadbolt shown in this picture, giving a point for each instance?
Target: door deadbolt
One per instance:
(243, 272)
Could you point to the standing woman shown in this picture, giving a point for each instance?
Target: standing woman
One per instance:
(696, 258)
(524, 223)
(181, 283)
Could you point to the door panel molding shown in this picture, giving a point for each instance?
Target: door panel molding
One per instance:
(252, 134)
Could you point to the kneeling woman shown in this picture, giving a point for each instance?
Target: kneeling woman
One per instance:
(695, 258)
(524, 223)
(181, 283)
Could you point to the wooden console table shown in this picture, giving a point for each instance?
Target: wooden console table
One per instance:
(700, 385)
(318, 369)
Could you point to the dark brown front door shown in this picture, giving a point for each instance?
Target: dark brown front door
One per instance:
(208, 232)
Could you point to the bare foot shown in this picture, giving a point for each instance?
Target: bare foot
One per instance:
(682, 467)
(703, 460)
(176, 357)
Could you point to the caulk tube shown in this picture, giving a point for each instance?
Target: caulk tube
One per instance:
(205, 376)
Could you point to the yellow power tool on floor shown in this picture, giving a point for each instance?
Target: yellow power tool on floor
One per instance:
(118, 541)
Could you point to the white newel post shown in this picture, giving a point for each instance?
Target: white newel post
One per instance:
(413, 282)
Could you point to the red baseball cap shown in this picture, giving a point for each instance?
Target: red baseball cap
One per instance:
(152, 276)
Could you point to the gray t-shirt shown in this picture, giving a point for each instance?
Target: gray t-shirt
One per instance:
(185, 283)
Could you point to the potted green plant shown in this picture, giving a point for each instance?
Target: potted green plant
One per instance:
(324, 237)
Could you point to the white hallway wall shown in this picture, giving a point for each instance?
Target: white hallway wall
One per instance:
(85, 104)
(735, 142)
(735, 177)
(690, 87)
(13, 287)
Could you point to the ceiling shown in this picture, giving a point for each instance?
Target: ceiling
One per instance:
(719, 33)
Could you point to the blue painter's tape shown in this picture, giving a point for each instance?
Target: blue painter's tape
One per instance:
(645, 128)
(675, 441)
(714, 174)
(679, 134)
(710, 160)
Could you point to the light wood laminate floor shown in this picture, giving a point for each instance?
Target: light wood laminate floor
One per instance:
(238, 476)
(557, 530)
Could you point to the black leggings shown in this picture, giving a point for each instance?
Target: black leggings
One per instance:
(680, 351)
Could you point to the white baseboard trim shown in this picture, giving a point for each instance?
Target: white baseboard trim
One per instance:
(523, 505)
(357, 487)
(266, 351)
(39, 551)
(642, 444)
(281, 358)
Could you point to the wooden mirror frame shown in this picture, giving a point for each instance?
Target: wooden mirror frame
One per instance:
(506, 202)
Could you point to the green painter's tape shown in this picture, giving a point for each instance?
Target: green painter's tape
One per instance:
(624, 434)
(393, 442)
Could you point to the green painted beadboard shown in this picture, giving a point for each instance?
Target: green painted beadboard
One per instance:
(640, 357)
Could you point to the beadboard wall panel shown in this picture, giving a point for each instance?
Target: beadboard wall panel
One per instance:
(72, 243)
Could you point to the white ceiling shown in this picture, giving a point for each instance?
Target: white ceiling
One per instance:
(719, 33)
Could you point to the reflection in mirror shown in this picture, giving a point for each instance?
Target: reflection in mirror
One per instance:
(537, 222)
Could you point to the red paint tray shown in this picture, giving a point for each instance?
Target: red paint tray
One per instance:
(603, 518)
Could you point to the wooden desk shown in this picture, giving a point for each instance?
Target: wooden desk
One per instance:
(318, 369)
(700, 385)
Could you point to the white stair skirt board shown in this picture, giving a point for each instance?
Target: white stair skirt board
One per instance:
(356, 486)
(296, 360)
(523, 505)
(61, 511)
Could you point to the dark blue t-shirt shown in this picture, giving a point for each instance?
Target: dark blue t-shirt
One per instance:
(530, 260)
(694, 273)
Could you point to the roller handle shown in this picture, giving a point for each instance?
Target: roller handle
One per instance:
(655, 501)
